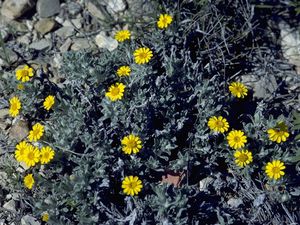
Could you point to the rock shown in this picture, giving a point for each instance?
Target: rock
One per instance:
(204, 183)
(47, 8)
(8, 57)
(74, 8)
(106, 42)
(4, 113)
(13, 9)
(234, 202)
(290, 44)
(81, 43)
(41, 44)
(25, 39)
(57, 61)
(3, 179)
(4, 33)
(65, 32)
(29, 220)
(10, 205)
(115, 6)
(44, 26)
(77, 23)
(95, 10)
(66, 45)
(262, 87)
(19, 130)
(18, 27)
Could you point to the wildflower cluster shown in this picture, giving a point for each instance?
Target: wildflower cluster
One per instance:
(237, 139)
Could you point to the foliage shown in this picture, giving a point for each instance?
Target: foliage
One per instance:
(167, 103)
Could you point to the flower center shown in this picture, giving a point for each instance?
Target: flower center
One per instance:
(24, 73)
(36, 132)
(115, 91)
(237, 139)
(132, 185)
(276, 170)
(243, 158)
(219, 124)
(14, 106)
(30, 156)
(131, 144)
(46, 155)
(143, 55)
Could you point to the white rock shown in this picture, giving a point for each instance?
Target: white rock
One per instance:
(13, 9)
(81, 43)
(41, 44)
(115, 6)
(10, 205)
(290, 44)
(106, 42)
(234, 202)
(66, 45)
(205, 182)
(29, 220)
(65, 32)
(95, 10)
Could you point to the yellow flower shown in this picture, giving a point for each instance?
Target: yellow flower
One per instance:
(238, 89)
(122, 35)
(20, 87)
(45, 217)
(49, 102)
(243, 157)
(37, 132)
(274, 169)
(132, 185)
(131, 144)
(124, 71)
(279, 133)
(142, 55)
(24, 74)
(115, 92)
(15, 106)
(21, 149)
(236, 139)
(31, 155)
(46, 154)
(29, 181)
(218, 124)
(164, 21)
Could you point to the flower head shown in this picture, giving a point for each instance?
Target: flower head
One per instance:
(45, 217)
(20, 151)
(37, 132)
(279, 133)
(46, 154)
(24, 74)
(115, 92)
(131, 144)
(123, 71)
(142, 55)
(49, 102)
(122, 35)
(243, 157)
(238, 89)
(31, 155)
(132, 185)
(164, 21)
(274, 169)
(15, 106)
(236, 139)
(29, 181)
(218, 124)
(20, 87)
